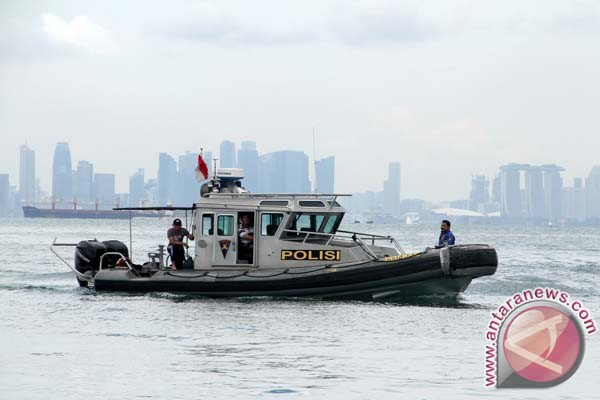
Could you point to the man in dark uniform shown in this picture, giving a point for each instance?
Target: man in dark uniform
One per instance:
(177, 246)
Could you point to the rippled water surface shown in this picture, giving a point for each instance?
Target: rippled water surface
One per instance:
(62, 342)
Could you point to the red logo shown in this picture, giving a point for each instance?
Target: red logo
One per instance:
(542, 344)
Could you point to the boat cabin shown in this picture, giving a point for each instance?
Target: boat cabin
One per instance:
(235, 228)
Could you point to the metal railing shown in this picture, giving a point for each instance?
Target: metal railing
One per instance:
(86, 277)
(350, 237)
(83, 277)
(115, 253)
(375, 238)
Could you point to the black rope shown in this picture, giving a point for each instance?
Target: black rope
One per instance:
(186, 276)
(269, 276)
(227, 277)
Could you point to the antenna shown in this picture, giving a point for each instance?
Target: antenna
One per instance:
(215, 168)
(314, 161)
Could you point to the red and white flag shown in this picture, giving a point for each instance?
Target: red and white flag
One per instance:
(201, 169)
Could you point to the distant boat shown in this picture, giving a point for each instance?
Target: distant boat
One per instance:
(34, 212)
(356, 221)
(412, 218)
(369, 222)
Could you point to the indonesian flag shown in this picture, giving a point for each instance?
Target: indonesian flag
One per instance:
(201, 169)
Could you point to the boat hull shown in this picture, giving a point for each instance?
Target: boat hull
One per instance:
(446, 271)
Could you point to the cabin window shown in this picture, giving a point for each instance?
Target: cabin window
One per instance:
(277, 203)
(311, 203)
(269, 223)
(332, 223)
(305, 222)
(225, 225)
(312, 222)
(207, 224)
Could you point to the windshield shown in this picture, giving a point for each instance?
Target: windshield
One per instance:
(315, 222)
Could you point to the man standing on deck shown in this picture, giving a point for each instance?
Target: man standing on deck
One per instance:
(176, 243)
(446, 236)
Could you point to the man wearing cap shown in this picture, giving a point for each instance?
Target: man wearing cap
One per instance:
(176, 243)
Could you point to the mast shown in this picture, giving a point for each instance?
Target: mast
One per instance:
(314, 162)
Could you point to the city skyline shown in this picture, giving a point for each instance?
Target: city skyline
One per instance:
(44, 175)
(517, 191)
(248, 153)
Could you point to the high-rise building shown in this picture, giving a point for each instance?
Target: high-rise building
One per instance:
(391, 189)
(510, 190)
(227, 155)
(573, 201)
(248, 160)
(284, 172)
(325, 175)
(62, 174)
(479, 192)
(188, 190)
(4, 195)
(534, 192)
(84, 182)
(592, 189)
(104, 189)
(151, 192)
(27, 174)
(167, 179)
(552, 191)
(136, 188)
(496, 189)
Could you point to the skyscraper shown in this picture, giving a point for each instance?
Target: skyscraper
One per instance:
(496, 189)
(136, 188)
(510, 190)
(27, 174)
(227, 155)
(167, 179)
(104, 189)
(325, 175)
(534, 192)
(552, 191)
(479, 192)
(248, 160)
(391, 189)
(62, 175)
(84, 182)
(4, 195)
(592, 189)
(284, 172)
(188, 188)
(573, 201)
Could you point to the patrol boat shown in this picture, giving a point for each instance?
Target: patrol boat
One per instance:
(297, 250)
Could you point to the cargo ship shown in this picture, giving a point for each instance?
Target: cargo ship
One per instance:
(35, 212)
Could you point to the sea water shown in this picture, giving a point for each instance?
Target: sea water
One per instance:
(58, 341)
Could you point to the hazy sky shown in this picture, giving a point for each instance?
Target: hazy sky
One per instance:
(447, 88)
